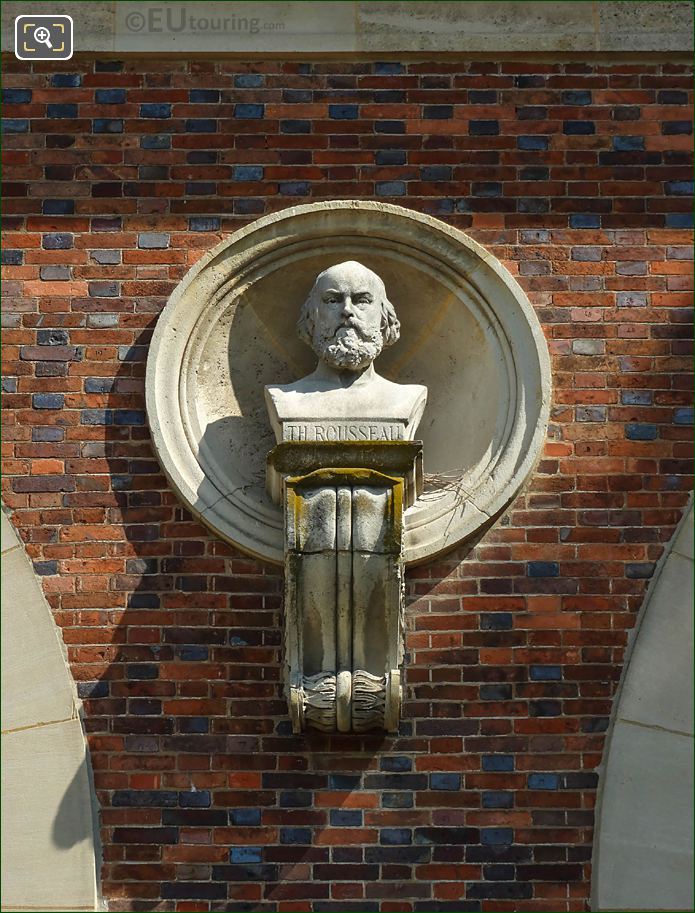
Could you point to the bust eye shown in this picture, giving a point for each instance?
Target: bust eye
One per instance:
(363, 299)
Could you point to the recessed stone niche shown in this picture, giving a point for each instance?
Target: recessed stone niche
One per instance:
(468, 333)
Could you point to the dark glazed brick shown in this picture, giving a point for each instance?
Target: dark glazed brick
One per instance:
(106, 125)
(679, 220)
(249, 80)
(582, 780)
(490, 836)
(15, 125)
(16, 96)
(390, 157)
(495, 692)
(482, 97)
(576, 97)
(92, 690)
(628, 143)
(143, 798)
(396, 764)
(192, 890)
(484, 128)
(529, 82)
(534, 173)
(12, 257)
(435, 173)
(437, 112)
(543, 569)
(445, 781)
(245, 854)
(203, 223)
(390, 188)
(447, 906)
(496, 621)
(532, 143)
(245, 817)
(498, 890)
(249, 112)
(159, 835)
(203, 96)
(639, 570)
(637, 432)
(626, 112)
(544, 708)
(109, 96)
(531, 112)
(579, 127)
(679, 188)
(58, 207)
(395, 836)
(155, 141)
(66, 80)
(244, 873)
(247, 173)
(585, 220)
(295, 799)
(53, 337)
(295, 126)
(47, 400)
(545, 673)
(388, 68)
(398, 854)
(295, 835)
(198, 799)
(194, 817)
(395, 781)
(343, 112)
(671, 97)
(550, 872)
(389, 126)
(498, 800)
(201, 125)
(294, 188)
(340, 817)
(486, 189)
(61, 111)
(54, 273)
(156, 111)
(442, 836)
(498, 762)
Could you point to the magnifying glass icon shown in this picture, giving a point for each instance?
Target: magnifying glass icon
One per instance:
(43, 36)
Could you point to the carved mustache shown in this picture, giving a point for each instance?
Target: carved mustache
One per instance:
(351, 323)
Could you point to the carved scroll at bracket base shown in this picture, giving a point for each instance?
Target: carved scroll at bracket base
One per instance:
(374, 702)
(344, 564)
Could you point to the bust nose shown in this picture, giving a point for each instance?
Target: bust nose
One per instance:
(348, 309)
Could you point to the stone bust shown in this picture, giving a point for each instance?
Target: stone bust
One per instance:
(347, 320)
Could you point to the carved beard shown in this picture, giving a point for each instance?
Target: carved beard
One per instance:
(349, 348)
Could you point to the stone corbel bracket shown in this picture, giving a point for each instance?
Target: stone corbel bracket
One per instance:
(344, 564)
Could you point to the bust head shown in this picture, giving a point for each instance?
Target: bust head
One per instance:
(347, 318)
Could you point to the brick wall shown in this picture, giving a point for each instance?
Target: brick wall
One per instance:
(119, 176)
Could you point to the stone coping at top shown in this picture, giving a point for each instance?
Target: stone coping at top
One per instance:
(373, 27)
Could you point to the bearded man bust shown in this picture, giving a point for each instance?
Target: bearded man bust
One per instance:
(347, 320)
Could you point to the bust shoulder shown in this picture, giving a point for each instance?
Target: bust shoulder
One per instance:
(319, 398)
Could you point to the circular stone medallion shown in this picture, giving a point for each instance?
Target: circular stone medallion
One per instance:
(468, 333)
